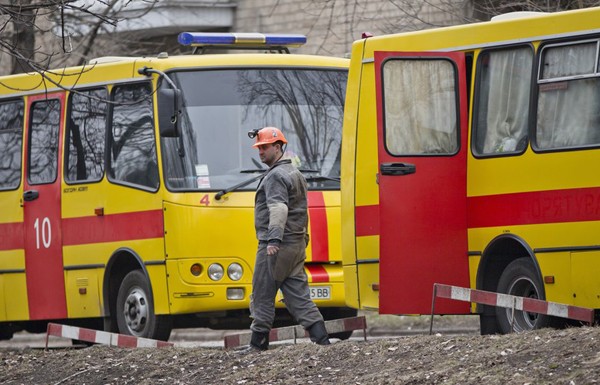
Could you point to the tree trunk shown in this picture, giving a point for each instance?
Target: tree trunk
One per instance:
(23, 38)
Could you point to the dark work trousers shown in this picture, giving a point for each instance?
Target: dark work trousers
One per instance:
(285, 271)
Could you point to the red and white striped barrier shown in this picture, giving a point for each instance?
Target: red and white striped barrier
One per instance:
(294, 332)
(101, 337)
(510, 301)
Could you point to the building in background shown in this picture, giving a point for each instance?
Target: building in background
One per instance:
(332, 25)
(150, 27)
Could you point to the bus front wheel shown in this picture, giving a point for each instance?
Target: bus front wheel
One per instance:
(135, 309)
(520, 279)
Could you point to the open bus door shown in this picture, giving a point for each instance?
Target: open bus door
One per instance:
(422, 147)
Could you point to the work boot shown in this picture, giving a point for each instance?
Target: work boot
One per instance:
(318, 333)
(258, 342)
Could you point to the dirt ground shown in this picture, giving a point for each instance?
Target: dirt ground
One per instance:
(569, 356)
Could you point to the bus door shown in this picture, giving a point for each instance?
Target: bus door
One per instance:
(422, 136)
(42, 207)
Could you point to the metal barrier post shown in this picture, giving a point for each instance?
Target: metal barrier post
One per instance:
(512, 316)
(434, 295)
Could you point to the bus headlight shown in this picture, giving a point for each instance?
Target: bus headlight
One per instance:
(215, 271)
(235, 271)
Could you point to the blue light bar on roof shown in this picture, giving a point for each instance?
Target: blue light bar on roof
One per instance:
(199, 39)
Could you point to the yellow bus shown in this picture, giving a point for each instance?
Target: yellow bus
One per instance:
(468, 160)
(127, 185)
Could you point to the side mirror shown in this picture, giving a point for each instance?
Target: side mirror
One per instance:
(168, 112)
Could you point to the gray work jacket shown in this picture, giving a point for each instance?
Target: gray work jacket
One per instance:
(280, 206)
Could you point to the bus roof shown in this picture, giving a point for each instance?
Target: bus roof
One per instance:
(501, 31)
(115, 69)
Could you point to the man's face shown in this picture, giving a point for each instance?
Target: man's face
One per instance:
(268, 153)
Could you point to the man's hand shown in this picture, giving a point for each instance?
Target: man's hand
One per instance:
(272, 249)
(273, 246)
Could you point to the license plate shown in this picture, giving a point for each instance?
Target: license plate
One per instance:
(320, 292)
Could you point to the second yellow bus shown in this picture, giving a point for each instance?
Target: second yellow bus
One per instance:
(468, 161)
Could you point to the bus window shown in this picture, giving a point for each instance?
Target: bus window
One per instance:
(502, 101)
(220, 107)
(86, 136)
(420, 107)
(133, 149)
(11, 128)
(568, 81)
(43, 141)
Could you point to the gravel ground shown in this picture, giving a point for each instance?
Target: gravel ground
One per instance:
(568, 356)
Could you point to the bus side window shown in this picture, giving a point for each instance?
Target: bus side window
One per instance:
(420, 107)
(86, 134)
(133, 147)
(43, 141)
(11, 138)
(502, 101)
(568, 96)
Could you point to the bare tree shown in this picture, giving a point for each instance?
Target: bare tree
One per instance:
(23, 39)
(333, 25)
(416, 14)
(423, 14)
(40, 34)
(96, 32)
(489, 8)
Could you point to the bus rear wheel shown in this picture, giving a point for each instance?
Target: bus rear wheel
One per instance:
(135, 309)
(520, 279)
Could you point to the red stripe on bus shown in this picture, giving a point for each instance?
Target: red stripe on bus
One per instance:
(319, 234)
(367, 220)
(113, 228)
(539, 207)
(317, 273)
(11, 236)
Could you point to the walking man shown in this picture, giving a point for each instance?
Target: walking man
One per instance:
(281, 221)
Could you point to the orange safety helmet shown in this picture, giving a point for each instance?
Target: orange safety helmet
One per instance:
(267, 135)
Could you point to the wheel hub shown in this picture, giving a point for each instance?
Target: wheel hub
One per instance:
(136, 311)
(523, 320)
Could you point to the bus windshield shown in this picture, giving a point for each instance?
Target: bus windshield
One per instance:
(221, 106)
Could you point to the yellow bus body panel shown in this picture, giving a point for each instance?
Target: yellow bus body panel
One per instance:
(13, 301)
(359, 182)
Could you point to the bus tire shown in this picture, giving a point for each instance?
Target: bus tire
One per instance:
(338, 313)
(135, 309)
(488, 324)
(520, 279)
(5, 334)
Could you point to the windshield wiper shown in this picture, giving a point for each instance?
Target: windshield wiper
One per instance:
(311, 178)
(256, 163)
(237, 186)
(253, 170)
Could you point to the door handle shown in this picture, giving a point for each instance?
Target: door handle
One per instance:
(397, 169)
(31, 195)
